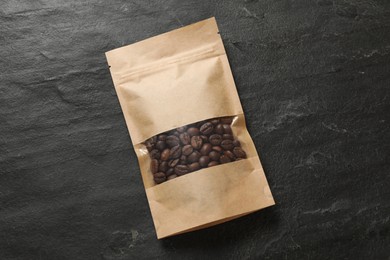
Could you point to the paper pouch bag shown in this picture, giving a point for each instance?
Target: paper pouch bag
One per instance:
(198, 162)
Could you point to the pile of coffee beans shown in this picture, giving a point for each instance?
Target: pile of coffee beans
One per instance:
(192, 147)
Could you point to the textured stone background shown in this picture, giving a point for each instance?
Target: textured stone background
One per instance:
(314, 80)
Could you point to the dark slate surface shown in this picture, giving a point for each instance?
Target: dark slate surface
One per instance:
(313, 77)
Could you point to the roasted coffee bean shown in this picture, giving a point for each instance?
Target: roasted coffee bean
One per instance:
(224, 159)
(196, 142)
(236, 143)
(215, 139)
(205, 149)
(204, 160)
(183, 159)
(215, 121)
(217, 148)
(176, 133)
(154, 165)
(205, 139)
(218, 129)
(155, 154)
(227, 137)
(172, 140)
(163, 166)
(152, 140)
(239, 152)
(175, 152)
(170, 177)
(227, 144)
(199, 124)
(187, 150)
(185, 138)
(227, 129)
(226, 120)
(170, 171)
(214, 156)
(229, 154)
(194, 157)
(159, 177)
(207, 128)
(161, 145)
(173, 163)
(181, 169)
(165, 154)
(149, 142)
(192, 131)
(212, 163)
(181, 129)
(162, 137)
(149, 146)
(194, 166)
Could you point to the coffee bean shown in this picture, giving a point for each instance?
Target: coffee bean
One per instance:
(194, 166)
(185, 138)
(199, 124)
(181, 169)
(161, 145)
(226, 120)
(217, 148)
(236, 143)
(162, 137)
(205, 139)
(175, 133)
(229, 154)
(227, 129)
(204, 160)
(183, 159)
(152, 140)
(215, 139)
(224, 159)
(227, 137)
(154, 165)
(212, 163)
(192, 131)
(165, 154)
(173, 163)
(175, 152)
(207, 128)
(155, 154)
(215, 121)
(170, 177)
(163, 166)
(194, 157)
(214, 156)
(227, 144)
(149, 146)
(187, 150)
(239, 152)
(172, 140)
(196, 142)
(205, 149)
(181, 129)
(170, 171)
(159, 177)
(219, 129)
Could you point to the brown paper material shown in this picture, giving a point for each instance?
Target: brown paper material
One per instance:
(175, 79)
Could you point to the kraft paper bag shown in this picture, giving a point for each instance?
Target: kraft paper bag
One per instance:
(177, 79)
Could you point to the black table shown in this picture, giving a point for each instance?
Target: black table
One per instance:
(314, 81)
